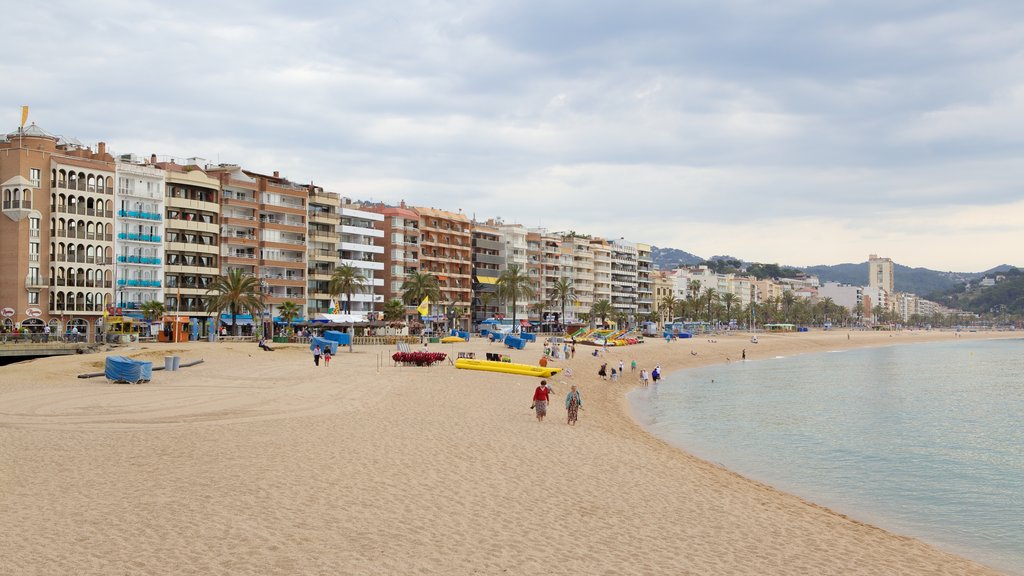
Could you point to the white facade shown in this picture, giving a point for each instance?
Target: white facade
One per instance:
(362, 247)
(844, 295)
(138, 242)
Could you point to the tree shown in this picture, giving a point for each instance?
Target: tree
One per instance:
(152, 310)
(288, 311)
(346, 280)
(419, 286)
(485, 302)
(668, 306)
(562, 292)
(728, 299)
(788, 299)
(236, 291)
(514, 285)
(394, 311)
(602, 309)
(710, 297)
(694, 287)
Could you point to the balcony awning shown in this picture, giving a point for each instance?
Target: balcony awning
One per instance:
(486, 279)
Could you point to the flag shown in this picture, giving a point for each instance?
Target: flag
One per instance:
(424, 308)
(332, 307)
(24, 115)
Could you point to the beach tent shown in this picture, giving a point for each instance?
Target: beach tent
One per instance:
(324, 344)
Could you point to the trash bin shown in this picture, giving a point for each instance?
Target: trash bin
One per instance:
(169, 363)
(176, 363)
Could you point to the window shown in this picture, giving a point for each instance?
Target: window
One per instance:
(33, 297)
(34, 175)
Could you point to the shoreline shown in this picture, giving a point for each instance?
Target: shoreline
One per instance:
(259, 463)
(806, 492)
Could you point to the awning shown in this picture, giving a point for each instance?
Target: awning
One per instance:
(340, 318)
(486, 279)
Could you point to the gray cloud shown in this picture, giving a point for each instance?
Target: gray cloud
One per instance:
(678, 123)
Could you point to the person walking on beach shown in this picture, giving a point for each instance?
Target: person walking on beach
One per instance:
(572, 350)
(573, 405)
(615, 375)
(316, 355)
(656, 373)
(540, 400)
(622, 367)
(327, 356)
(744, 354)
(643, 378)
(603, 371)
(632, 366)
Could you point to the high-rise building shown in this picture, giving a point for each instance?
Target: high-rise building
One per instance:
(644, 282)
(488, 263)
(401, 242)
(881, 274)
(322, 252)
(192, 235)
(360, 248)
(273, 247)
(56, 232)
(446, 252)
(624, 278)
(139, 242)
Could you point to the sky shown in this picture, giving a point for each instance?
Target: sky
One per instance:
(798, 132)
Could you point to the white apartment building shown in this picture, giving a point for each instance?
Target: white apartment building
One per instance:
(362, 247)
(138, 244)
(624, 277)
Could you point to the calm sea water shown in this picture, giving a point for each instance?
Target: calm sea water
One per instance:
(924, 440)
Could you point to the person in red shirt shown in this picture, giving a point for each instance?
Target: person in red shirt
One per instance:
(540, 400)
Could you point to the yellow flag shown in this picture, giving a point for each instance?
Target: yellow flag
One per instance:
(24, 115)
(424, 308)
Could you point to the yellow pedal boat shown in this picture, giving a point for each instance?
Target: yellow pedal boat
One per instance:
(507, 367)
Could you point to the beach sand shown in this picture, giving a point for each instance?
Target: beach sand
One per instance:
(260, 463)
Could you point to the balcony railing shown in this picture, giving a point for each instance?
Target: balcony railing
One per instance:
(82, 283)
(99, 260)
(140, 215)
(139, 283)
(138, 237)
(16, 204)
(138, 260)
(83, 211)
(83, 235)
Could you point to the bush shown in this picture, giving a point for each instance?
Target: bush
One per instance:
(418, 358)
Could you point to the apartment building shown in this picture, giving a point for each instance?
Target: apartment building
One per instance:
(400, 240)
(624, 278)
(57, 232)
(881, 273)
(322, 254)
(446, 252)
(139, 242)
(664, 286)
(644, 281)
(360, 247)
(488, 263)
(602, 270)
(272, 244)
(579, 255)
(192, 235)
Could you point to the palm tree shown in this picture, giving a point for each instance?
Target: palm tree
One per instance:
(710, 297)
(512, 285)
(621, 320)
(693, 287)
(394, 311)
(668, 306)
(346, 280)
(152, 310)
(788, 299)
(485, 302)
(563, 291)
(236, 291)
(288, 311)
(419, 286)
(602, 309)
(729, 299)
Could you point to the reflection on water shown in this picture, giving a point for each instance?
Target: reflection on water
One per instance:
(922, 440)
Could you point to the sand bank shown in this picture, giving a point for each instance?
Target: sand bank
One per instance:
(260, 463)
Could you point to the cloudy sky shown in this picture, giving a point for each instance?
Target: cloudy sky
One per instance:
(793, 131)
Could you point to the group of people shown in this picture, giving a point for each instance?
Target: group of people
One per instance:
(318, 353)
(573, 402)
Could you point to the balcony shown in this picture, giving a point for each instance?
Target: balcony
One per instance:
(18, 204)
(78, 259)
(83, 235)
(82, 283)
(139, 283)
(139, 260)
(83, 211)
(35, 281)
(140, 215)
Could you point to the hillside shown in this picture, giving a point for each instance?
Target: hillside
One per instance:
(1006, 297)
(672, 258)
(921, 281)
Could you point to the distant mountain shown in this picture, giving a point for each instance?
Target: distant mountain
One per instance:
(671, 258)
(1005, 296)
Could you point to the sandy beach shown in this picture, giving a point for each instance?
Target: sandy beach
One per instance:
(261, 463)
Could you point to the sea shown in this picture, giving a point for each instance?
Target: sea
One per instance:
(923, 440)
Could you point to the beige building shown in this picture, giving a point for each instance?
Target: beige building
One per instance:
(56, 231)
(881, 274)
